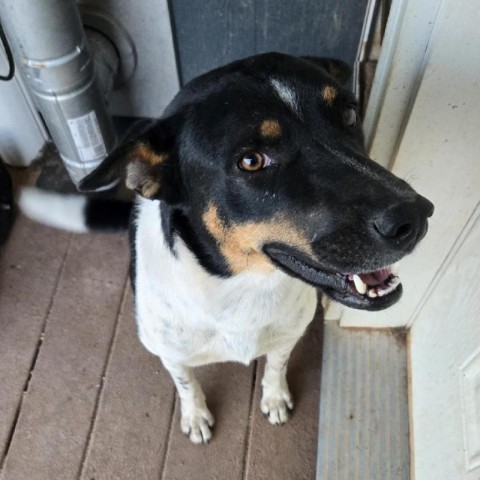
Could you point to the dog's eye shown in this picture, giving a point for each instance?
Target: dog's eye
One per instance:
(350, 116)
(254, 161)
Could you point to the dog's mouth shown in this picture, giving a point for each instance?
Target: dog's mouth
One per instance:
(372, 290)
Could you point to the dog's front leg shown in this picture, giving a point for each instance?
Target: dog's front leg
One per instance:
(196, 419)
(276, 400)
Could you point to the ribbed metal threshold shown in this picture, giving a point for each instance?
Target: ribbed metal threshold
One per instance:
(363, 406)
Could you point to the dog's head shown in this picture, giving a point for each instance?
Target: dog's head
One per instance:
(261, 165)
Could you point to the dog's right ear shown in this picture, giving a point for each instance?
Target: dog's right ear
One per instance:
(147, 160)
(338, 69)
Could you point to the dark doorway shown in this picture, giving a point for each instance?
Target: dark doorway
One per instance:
(210, 33)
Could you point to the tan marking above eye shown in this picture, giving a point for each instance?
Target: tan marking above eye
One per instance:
(329, 93)
(241, 244)
(148, 155)
(270, 129)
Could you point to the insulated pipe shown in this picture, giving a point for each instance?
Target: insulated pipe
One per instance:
(68, 86)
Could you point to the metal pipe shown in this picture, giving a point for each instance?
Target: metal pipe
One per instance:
(51, 49)
(106, 60)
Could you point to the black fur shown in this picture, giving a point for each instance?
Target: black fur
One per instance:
(132, 230)
(355, 215)
(107, 215)
(200, 242)
(6, 204)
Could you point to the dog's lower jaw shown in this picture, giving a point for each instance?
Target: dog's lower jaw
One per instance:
(380, 290)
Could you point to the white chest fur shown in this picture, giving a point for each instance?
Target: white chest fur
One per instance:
(185, 315)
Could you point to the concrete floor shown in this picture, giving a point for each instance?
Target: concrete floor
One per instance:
(81, 398)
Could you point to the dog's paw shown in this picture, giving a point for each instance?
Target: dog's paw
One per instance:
(196, 424)
(276, 405)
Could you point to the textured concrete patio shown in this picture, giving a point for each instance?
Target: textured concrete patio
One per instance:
(81, 398)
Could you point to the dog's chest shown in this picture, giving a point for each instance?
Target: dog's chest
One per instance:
(237, 327)
(186, 315)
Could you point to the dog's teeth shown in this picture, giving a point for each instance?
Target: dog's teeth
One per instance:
(372, 293)
(381, 292)
(359, 285)
(392, 285)
(395, 268)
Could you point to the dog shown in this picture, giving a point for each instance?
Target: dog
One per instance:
(253, 191)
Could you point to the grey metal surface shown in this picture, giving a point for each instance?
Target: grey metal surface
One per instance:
(363, 432)
(214, 32)
(106, 60)
(145, 25)
(105, 23)
(51, 48)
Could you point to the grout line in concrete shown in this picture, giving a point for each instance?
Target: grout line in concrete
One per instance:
(173, 408)
(93, 420)
(38, 347)
(248, 434)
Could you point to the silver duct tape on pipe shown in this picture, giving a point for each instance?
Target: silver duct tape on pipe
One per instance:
(50, 46)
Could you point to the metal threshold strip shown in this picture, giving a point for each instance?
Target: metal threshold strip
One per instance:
(363, 428)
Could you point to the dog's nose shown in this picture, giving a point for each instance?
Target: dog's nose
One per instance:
(404, 223)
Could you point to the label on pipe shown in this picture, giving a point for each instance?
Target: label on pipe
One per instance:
(87, 136)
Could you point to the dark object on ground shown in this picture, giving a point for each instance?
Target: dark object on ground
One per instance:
(6, 204)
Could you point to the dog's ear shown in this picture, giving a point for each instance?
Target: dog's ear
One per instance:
(148, 161)
(338, 69)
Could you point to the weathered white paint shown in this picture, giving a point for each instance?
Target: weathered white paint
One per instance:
(399, 73)
(22, 134)
(438, 155)
(470, 392)
(445, 369)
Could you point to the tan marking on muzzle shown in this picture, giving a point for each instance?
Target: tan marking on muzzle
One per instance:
(329, 93)
(270, 129)
(241, 244)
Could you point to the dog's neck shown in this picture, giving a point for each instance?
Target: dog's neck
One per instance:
(177, 226)
(163, 243)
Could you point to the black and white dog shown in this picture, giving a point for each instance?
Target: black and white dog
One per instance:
(254, 189)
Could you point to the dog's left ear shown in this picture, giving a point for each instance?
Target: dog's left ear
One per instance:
(338, 69)
(147, 160)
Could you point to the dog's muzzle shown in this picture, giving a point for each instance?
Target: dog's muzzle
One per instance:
(367, 286)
